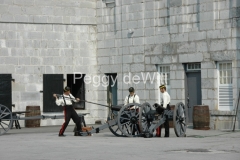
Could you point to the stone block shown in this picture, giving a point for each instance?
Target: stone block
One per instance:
(137, 67)
(174, 29)
(208, 65)
(173, 94)
(206, 16)
(209, 83)
(212, 94)
(232, 44)
(195, 36)
(137, 49)
(180, 75)
(132, 24)
(30, 96)
(126, 42)
(150, 5)
(150, 40)
(204, 73)
(11, 60)
(24, 60)
(149, 32)
(103, 60)
(177, 84)
(20, 69)
(179, 37)
(138, 41)
(180, 94)
(24, 2)
(149, 14)
(207, 25)
(150, 68)
(56, 19)
(116, 59)
(201, 46)
(224, 14)
(7, 17)
(217, 45)
(138, 33)
(163, 12)
(186, 47)
(175, 3)
(138, 58)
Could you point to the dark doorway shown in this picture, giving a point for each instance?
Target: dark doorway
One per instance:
(6, 90)
(52, 84)
(193, 91)
(77, 85)
(112, 89)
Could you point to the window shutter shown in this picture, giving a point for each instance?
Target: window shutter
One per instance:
(225, 97)
(6, 90)
(225, 89)
(52, 83)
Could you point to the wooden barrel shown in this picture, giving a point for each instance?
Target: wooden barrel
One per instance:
(201, 117)
(33, 111)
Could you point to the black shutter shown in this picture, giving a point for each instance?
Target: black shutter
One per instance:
(77, 89)
(6, 90)
(52, 83)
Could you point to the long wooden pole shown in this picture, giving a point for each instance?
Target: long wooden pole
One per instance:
(236, 112)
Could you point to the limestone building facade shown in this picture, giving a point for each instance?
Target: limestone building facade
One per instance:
(192, 46)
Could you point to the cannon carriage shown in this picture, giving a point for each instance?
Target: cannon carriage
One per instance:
(123, 121)
(142, 120)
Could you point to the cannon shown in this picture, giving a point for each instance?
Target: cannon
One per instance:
(123, 121)
(7, 118)
(141, 120)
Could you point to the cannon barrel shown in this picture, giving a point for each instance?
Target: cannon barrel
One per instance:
(114, 108)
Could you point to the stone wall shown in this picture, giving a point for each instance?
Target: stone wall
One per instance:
(136, 35)
(127, 37)
(47, 37)
(48, 11)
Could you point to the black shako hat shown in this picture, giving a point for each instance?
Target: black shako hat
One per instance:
(131, 89)
(66, 89)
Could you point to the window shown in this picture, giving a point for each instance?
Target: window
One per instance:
(164, 78)
(193, 66)
(225, 90)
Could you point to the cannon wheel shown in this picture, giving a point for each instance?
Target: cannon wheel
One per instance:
(128, 119)
(143, 124)
(5, 119)
(179, 120)
(115, 129)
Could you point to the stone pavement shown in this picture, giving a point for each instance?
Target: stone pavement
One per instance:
(44, 144)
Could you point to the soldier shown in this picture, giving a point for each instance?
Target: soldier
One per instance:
(132, 98)
(66, 101)
(165, 101)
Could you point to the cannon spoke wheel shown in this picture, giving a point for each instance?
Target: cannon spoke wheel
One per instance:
(128, 120)
(5, 119)
(114, 129)
(144, 125)
(179, 120)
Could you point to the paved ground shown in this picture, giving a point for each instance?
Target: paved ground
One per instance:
(44, 144)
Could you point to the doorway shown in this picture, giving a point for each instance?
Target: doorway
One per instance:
(193, 88)
(112, 98)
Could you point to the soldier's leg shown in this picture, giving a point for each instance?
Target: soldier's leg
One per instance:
(166, 126)
(67, 116)
(77, 120)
